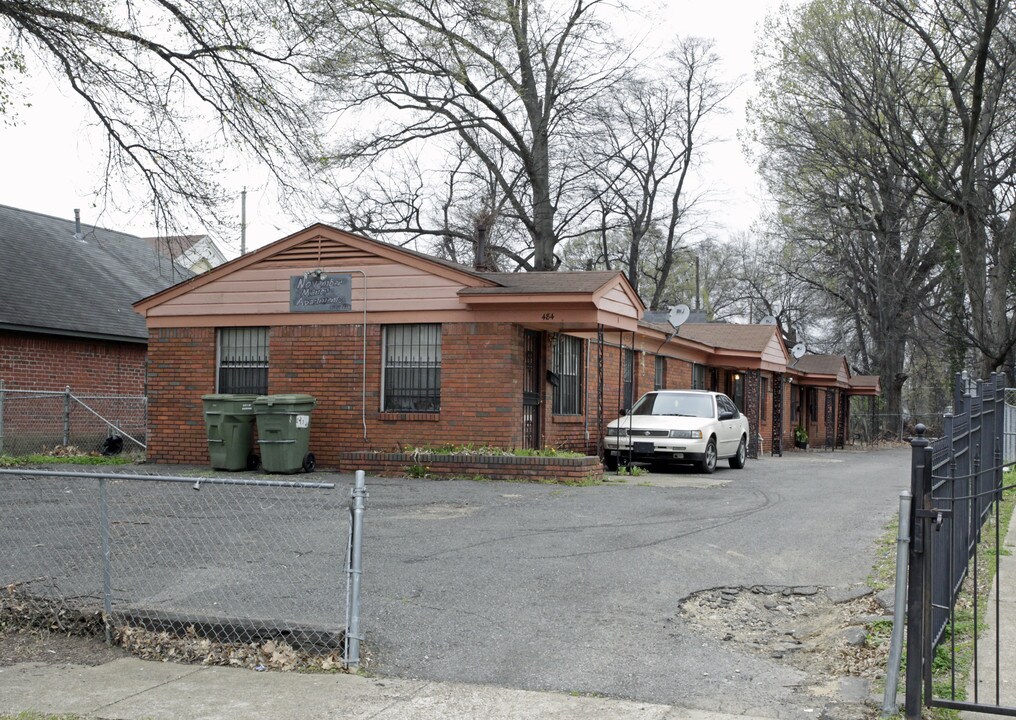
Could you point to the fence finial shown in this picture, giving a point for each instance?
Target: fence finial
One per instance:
(921, 429)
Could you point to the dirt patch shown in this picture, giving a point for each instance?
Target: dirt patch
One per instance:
(42, 646)
(839, 637)
(41, 630)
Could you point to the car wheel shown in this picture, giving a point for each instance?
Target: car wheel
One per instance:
(610, 461)
(737, 460)
(708, 463)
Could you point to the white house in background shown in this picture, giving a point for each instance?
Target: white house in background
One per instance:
(197, 253)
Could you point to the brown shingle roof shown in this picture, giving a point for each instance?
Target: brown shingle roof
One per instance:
(728, 336)
(864, 381)
(820, 364)
(537, 283)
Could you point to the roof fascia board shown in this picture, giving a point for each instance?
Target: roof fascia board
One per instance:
(134, 339)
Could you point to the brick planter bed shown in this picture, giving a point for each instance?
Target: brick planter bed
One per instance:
(495, 467)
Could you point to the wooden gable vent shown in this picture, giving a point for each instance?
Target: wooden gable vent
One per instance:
(316, 252)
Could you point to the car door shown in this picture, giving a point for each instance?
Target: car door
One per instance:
(729, 433)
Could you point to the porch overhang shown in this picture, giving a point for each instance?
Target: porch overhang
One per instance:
(553, 312)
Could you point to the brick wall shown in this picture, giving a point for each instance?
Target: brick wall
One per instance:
(480, 394)
(181, 369)
(49, 362)
(569, 470)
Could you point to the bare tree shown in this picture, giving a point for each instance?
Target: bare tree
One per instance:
(170, 83)
(956, 137)
(653, 132)
(860, 222)
(510, 79)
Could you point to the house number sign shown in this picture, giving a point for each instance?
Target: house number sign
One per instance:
(320, 293)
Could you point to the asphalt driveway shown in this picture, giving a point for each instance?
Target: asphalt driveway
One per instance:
(544, 587)
(577, 589)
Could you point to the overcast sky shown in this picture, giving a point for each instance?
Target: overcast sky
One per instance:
(50, 164)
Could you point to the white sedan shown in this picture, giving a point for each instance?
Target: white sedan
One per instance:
(679, 426)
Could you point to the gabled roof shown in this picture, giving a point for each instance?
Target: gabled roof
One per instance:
(821, 364)
(51, 282)
(729, 336)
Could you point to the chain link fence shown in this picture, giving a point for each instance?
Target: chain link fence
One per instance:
(34, 420)
(257, 567)
(878, 428)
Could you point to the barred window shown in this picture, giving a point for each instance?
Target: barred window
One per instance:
(567, 365)
(243, 360)
(763, 397)
(660, 374)
(412, 368)
(813, 404)
(698, 377)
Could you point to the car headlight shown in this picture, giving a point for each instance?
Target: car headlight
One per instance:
(686, 434)
(617, 432)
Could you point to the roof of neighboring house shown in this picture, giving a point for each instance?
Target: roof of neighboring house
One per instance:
(52, 282)
(729, 336)
(176, 245)
(819, 364)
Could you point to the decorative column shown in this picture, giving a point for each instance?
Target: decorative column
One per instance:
(777, 414)
(752, 382)
(844, 423)
(830, 419)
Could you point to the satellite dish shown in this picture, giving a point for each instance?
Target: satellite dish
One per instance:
(679, 315)
(798, 350)
(768, 320)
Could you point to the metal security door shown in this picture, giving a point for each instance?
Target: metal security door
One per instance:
(532, 375)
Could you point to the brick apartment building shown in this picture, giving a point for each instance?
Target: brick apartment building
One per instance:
(401, 348)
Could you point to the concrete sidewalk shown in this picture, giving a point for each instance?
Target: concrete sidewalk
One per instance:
(1004, 589)
(132, 689)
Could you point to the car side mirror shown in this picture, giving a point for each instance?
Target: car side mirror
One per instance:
(726, 415)
(623, 411)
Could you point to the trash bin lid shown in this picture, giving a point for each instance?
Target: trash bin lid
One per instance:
(283, 400)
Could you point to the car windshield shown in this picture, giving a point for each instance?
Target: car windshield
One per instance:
(675, 404)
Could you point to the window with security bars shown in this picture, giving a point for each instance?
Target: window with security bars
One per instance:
(567, 365)
(763, 397)
(698, 377)
(243, 360)
(660, 373)
(412, 368)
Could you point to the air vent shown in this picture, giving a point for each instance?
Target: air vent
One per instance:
(317, 251)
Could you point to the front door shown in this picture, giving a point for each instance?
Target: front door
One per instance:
(532, 390)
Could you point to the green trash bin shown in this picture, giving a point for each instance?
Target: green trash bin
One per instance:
(229, 421)
(284, 432)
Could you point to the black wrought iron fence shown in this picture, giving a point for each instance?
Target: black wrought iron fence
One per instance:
(957, 485)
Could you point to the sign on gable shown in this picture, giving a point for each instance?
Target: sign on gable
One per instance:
(320, 293)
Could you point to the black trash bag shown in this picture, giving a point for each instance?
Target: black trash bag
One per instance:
(113, 445)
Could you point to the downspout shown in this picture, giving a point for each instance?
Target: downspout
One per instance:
(363, 370)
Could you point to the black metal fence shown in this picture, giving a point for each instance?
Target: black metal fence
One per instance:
(957, 485)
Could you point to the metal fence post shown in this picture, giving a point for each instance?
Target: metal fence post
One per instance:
(353, 635)
(107, 576)
(889, 706)
(67, 416)
(916, 579)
